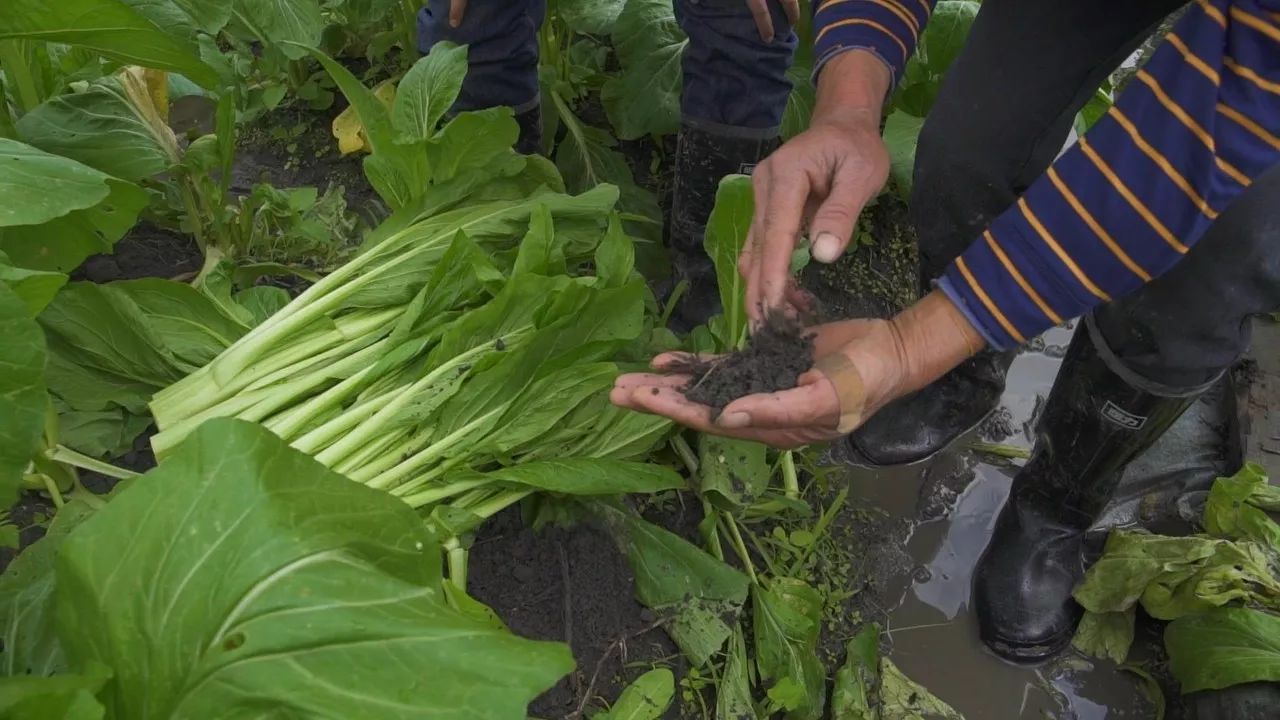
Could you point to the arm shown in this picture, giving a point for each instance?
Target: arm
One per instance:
(1124, 204)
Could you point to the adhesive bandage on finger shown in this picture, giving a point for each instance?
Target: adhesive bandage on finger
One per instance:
(850, 391)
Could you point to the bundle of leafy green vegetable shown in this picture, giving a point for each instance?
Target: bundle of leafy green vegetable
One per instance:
(1220, 589)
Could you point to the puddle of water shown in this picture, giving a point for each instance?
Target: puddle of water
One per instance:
(933, 629)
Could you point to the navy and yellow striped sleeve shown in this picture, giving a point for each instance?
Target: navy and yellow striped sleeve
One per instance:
(1188, 134)
(888, 28)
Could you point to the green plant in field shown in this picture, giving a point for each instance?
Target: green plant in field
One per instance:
(252, 575)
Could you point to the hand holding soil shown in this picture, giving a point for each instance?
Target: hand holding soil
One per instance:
(769, 392)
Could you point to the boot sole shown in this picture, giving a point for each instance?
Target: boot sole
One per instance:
(1023, 654)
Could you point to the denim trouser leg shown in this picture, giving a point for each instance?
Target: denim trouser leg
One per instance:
(735, 84)
(502, 53)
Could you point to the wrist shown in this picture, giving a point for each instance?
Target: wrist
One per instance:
(930, 338)
(852, 89)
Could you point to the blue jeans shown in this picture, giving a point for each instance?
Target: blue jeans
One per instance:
(734, 83)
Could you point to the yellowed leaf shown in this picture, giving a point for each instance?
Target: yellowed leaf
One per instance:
(348, 129)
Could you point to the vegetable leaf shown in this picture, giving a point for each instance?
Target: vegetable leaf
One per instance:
(857, 684)
(31, 644)
(726, 234)
(62, 697)
(427, 92)
(700, 594)
(103, 129)
(22, 391)
(645, 699)
(645, 98)
(1224, 647)
(901, 135)
(787, 616)
(1105, 635)
(109, 27)
(252, 571)
(281, 23)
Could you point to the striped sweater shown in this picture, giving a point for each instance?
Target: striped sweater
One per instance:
(1125, 203)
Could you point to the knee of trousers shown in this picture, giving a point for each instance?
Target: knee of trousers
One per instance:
(733, 80)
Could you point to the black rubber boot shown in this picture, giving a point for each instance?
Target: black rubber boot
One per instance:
(703, 158)
(1093, 424)
(917, 426)
(530, 140)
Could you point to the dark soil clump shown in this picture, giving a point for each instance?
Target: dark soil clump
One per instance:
(773, 360)
(573, 586)
(147, 251)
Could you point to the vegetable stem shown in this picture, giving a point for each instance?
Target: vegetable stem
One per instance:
(67, 456)
(790, 479)
(52, 488)
(739, 546)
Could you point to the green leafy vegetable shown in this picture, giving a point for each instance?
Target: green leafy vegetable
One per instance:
(22, 391)
(1224, 647)
(645, 98)
(787, 619)
(109, 27)
(64, 697)
(645, 699)
(57, 212)
(901, 698)
(901, 134)
(427, 92)
(256, 572)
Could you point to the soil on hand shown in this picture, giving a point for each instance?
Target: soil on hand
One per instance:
(773, 360)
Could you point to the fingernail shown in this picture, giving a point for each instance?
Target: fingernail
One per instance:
(826, 248)
(734, 420)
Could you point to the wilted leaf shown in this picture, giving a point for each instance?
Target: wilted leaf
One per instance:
(349, 129)
(1236, 507)
(856, 692)
(701, 595)
(733, 472)
(733, 694)
(901, 698)
(1105, 635)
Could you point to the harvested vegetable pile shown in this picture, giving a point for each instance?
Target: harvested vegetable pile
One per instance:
(774, 359)
(456, 360)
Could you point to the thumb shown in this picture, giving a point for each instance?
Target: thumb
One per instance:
(837, 216)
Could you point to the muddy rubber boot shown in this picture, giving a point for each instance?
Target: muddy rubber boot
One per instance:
(916, 427)
(702, 159)
(530, 122)
(1093, 424)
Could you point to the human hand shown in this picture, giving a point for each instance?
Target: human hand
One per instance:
(861, 366)
(821, 179)
(852, 377)
(764, 20)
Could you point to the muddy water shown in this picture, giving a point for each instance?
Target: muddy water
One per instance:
(932, 627)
